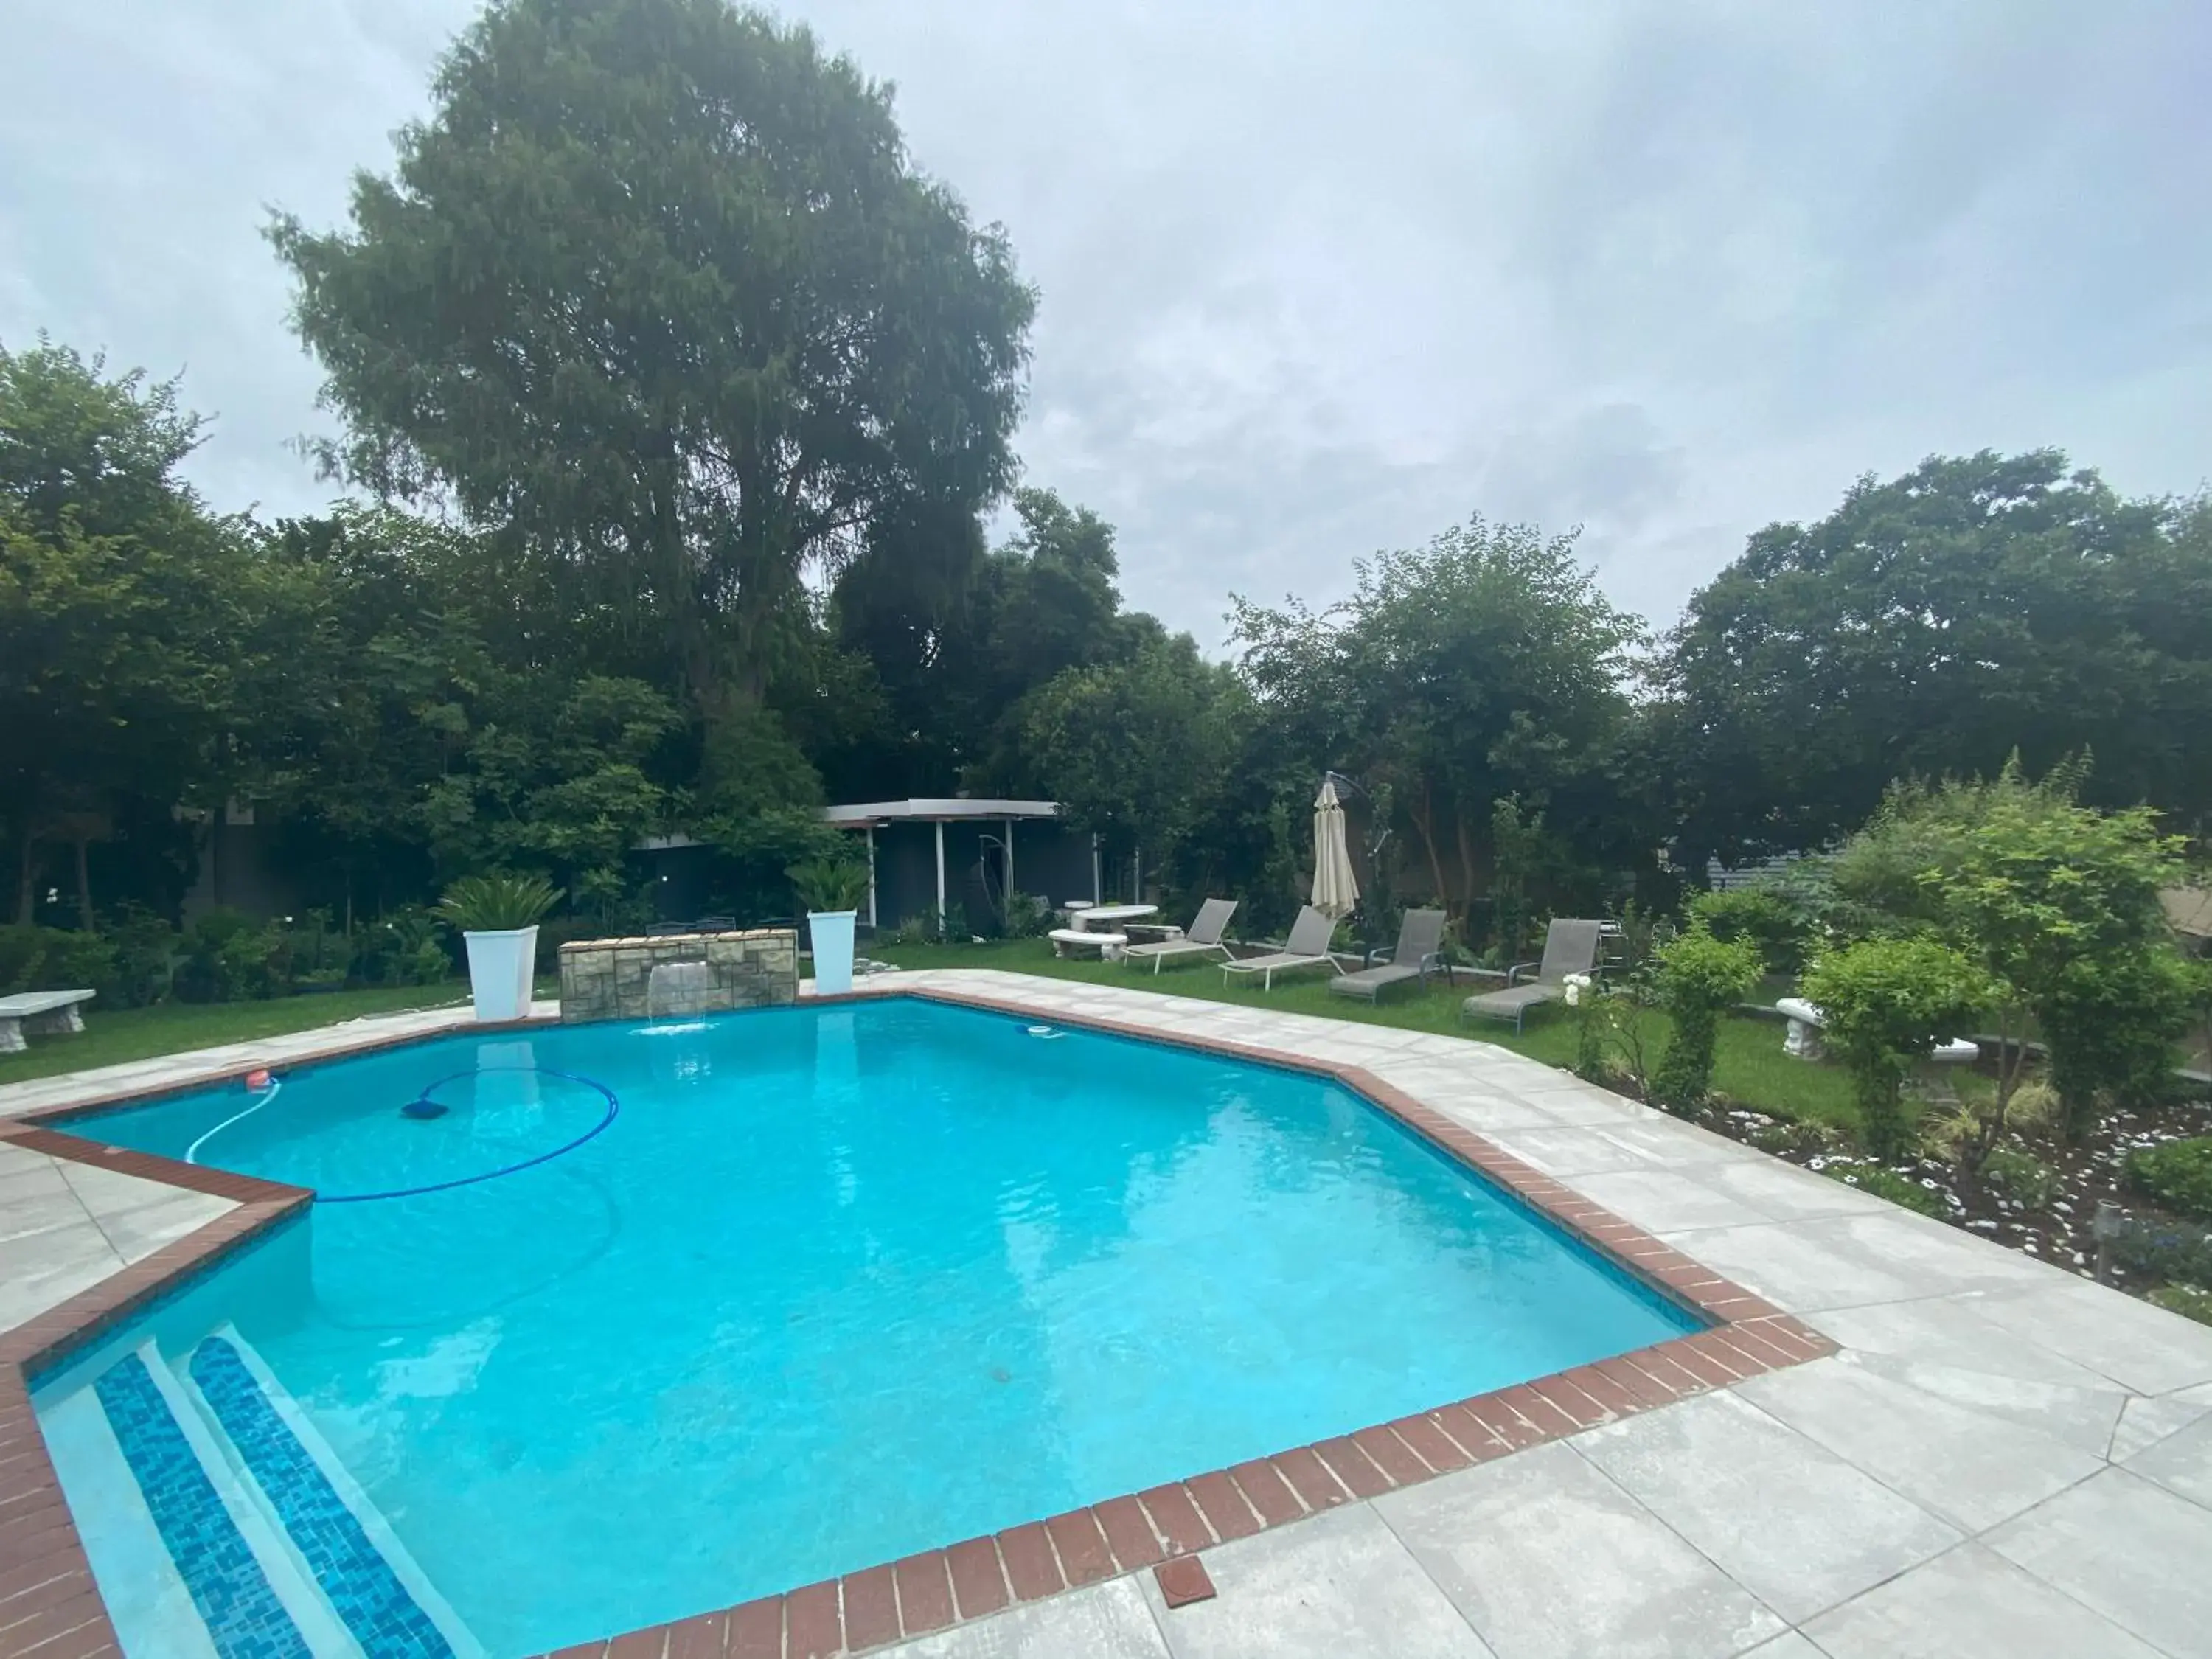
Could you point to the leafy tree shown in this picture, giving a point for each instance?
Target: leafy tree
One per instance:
(1486, 664)
(1929, 626)
(130, 616)
(958, 641)
(1132, 750)
(2057, 902)
(1885, 1004)
(656, 287)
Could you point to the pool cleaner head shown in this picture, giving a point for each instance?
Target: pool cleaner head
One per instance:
(424, 1109)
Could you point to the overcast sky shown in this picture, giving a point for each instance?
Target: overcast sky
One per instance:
(1320, 279)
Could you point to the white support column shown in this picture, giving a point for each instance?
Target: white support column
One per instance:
(940, 874)
(873, 922)
(1099, 875)
(1137, 875)
(1010, 864)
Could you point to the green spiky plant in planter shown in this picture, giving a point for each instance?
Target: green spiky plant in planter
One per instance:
(831, 889)
(498, 917)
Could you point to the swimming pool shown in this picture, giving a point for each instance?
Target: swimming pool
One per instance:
(834, 1285)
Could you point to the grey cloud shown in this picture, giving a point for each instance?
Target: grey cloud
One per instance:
(1316, 281)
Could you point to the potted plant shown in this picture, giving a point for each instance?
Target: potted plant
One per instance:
(498, 917)
(831, 889)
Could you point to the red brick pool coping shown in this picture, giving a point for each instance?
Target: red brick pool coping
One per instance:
(50, 1608)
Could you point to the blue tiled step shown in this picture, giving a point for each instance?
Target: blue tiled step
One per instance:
(382, 1599)
(173, 1532)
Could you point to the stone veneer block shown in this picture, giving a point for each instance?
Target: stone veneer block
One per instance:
(611, 978)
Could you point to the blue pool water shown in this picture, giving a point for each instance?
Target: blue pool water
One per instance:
(842, 1283)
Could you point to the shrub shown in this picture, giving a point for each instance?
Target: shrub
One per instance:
(2187, 1300)
(497, 902)
(1696, 976)
(22, 948)
(405, 947)
(141, 946)
(2176, 1176)
(2166, 1252)
(2111, 1022)
(74, 960)
(2019, 1175)
(1028, 917)
(1885, 1003)
(127, 962)
(1760, 917)
(830, 884)
(1886, 1183)
(213, 967)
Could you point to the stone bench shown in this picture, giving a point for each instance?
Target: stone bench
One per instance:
(1109, 945)
(1802, 1039)
(40, 1013)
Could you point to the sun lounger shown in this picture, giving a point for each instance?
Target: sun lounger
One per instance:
(1569, 947)
(1418, 954)
(1203, 938)
(1307, 947)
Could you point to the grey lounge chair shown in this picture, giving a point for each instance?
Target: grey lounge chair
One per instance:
(1307, 947)
(1205, 936)
(1569, 947)
(1418, 951)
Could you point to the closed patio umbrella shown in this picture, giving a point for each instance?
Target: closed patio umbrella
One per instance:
(1334, 890)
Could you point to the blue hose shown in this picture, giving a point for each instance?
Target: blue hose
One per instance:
(614, 1107)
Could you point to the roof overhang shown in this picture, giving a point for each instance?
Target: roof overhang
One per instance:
(953, 810)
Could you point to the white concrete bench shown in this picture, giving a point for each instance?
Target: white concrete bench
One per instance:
(1109, 945)
(1802, 1039)
(39, 1012)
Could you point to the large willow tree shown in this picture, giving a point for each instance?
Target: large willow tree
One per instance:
(656, 285)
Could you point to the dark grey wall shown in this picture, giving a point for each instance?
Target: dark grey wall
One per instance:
(1050, 861)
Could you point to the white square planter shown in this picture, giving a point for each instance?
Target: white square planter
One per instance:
(502, 971)
(830, 931)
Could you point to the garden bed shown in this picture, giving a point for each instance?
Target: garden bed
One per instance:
(2037, 1192)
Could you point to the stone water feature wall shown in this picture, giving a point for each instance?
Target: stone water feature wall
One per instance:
(612, 978)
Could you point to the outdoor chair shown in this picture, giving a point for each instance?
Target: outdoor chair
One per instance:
(1419, 953)
(1204, 937)
(1569, 947)
(1307, 947)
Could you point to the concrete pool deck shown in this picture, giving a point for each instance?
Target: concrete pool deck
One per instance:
(2003, 1459)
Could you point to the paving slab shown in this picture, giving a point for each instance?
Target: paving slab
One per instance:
(2144, 1422)
(2180, 1461)
(1668, 1201)
(1105, 1621)
(1963, 1466)
(1951, 1331)
(1340, 1584)
(2083, 1418)
(2137, 1345)
(2126, 1546)
(1855, 1261)
(1788, 1645)
(1969, 1603)
(1549, 1559)
(1795, 1524)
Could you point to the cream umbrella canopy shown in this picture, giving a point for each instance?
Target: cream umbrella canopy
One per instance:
(1334, 890)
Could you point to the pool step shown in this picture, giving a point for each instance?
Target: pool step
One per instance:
(381, 1595)
(221, 1525)
(187, 1558)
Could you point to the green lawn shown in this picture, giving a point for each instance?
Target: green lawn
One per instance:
(125, 1034)
(1751, 1070)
